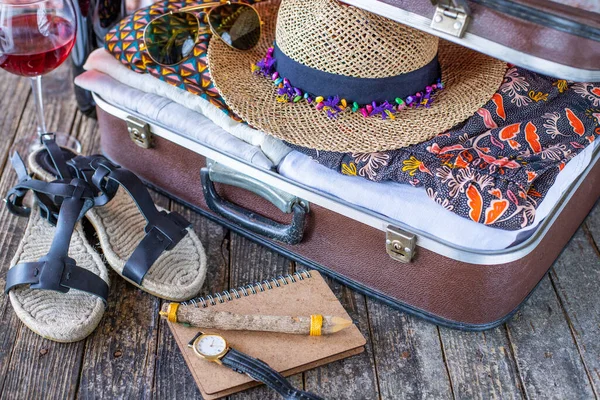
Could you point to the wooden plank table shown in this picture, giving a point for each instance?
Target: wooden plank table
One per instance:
(550, 349)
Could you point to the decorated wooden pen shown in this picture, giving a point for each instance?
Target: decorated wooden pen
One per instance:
(314, 325)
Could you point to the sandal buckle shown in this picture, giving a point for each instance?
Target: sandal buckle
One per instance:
(172, 227)
(52, 273)
(47, 136)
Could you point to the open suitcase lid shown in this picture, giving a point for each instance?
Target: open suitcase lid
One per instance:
(544, 36)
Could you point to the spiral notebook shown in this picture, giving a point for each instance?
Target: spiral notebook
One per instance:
(301, 293)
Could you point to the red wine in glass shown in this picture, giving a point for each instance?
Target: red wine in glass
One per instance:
(36, 36)
(38, 49)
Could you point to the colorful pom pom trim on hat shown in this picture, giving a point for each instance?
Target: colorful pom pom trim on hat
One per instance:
(286, 93)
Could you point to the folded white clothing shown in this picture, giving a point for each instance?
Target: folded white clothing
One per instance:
(101, 60)
(181, 119)
(413, 207)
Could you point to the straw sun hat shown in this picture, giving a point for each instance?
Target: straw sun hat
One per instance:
(339, 78)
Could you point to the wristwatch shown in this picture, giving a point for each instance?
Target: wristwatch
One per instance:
(214, 348)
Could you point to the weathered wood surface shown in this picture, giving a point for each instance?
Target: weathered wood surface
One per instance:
(172, 378)
(481, 364)
(34, 359)
(408, 356)
(353, 378)
(575, 278)
(547, 358)
(250, 263)
(12, 105)
(550, 349)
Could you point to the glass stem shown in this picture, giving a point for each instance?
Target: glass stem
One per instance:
(36, 90)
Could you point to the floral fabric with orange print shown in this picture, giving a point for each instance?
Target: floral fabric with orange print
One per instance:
(496, 167)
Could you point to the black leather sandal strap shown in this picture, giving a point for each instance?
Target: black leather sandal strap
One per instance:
(57, 156)
(145, 255)
(163, 231)
(14, 203)
(82, 165)
(172, 225)
(14, 197)
(56, 189)
(56, 271)
(23, 274)
(77, 165)
(262, 372)
(154, 244)
(106, 172)
(86, 281)
(71, 277)
(19, 166)
(47, 195)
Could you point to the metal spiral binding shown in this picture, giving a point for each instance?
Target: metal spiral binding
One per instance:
(247, 290)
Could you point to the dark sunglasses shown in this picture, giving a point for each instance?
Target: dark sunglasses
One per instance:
(170, 38)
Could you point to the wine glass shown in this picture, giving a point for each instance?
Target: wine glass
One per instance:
(36, 36)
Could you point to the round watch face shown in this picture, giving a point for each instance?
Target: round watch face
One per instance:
(211, 345)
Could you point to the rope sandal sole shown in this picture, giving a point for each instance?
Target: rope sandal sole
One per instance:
(176, 275)
(61, 317)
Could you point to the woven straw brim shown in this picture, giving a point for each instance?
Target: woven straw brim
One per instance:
(470, 79)
(61, 317)
(177, 275)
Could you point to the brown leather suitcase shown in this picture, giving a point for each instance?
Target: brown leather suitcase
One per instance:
(456, 287)
(447, 284)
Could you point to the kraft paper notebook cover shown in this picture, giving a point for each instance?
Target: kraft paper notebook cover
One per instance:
(288, 354)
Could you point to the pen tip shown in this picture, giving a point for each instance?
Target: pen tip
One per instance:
(340, 324)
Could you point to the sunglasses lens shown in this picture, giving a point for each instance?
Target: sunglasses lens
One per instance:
(171, 38)
(238, 25)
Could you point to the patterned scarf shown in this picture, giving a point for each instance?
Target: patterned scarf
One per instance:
(496, 167)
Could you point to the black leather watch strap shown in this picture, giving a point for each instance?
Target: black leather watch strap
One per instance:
(260, 371)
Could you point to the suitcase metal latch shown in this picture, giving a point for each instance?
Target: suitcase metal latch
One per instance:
(451, 16)
(399, 244)
(139, 132)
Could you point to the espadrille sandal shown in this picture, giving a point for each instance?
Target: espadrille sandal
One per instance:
(153, 249)
(57, 283)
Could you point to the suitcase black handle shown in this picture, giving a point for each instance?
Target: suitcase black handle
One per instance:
(290, 234)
